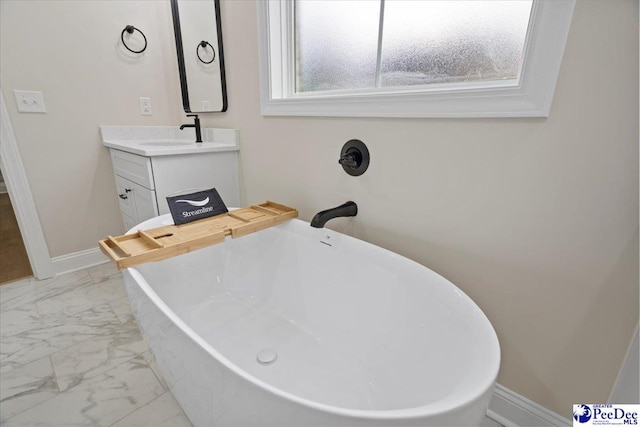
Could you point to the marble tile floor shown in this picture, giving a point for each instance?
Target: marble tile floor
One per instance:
(71, 354)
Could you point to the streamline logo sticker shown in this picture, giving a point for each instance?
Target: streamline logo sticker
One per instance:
(191, 207)
(194, 203)
(605, 415)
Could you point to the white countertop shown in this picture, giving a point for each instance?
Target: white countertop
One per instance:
(167, 140)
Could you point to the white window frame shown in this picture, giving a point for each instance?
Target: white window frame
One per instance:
(530, 96)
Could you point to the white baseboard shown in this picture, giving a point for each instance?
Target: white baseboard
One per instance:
(77, 261)
(513, 410)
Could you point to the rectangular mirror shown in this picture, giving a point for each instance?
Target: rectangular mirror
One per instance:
(198, 33)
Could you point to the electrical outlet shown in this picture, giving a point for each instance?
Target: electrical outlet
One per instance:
(145, 106)
(206, 105)
(29, 101)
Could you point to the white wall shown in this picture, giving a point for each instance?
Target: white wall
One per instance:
(536, 219)
(71, 51)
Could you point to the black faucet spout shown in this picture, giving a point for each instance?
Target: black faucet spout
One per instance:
(196, 125)
(346, 209)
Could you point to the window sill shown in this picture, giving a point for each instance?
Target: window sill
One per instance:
(512, 102)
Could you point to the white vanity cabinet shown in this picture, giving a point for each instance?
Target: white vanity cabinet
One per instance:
(135, 187)
(148, 170)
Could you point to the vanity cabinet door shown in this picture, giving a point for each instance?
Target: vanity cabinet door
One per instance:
(137, 203)
(129, 222)
(125, 197)
(145, 201)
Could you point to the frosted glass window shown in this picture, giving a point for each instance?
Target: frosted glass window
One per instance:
(336, 44)
(340, 44)
(428, 42)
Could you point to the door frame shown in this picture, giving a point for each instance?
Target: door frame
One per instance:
(15, 178)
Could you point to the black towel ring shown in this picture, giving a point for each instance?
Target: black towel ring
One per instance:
(129, 29)
(204, 44)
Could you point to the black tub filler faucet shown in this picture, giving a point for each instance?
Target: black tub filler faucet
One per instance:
(346, 209)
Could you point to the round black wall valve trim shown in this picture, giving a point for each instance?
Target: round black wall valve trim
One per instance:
(354, 157)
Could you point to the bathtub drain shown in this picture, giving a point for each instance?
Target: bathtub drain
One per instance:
(267, 356)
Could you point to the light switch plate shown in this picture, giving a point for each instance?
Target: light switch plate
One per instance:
(29, 101)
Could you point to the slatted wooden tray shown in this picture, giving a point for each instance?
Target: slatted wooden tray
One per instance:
(164, 242)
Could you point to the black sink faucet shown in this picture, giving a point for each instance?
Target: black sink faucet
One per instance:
(195, 125)
(321, 218)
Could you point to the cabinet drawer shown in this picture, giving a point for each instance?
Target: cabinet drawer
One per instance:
(133, 167)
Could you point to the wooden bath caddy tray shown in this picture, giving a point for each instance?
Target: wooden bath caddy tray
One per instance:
(165, 242)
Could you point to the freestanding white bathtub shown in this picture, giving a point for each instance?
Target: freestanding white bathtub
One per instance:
(298, 326)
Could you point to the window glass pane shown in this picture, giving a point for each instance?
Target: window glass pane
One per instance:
(452, 41)
(336, 44)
